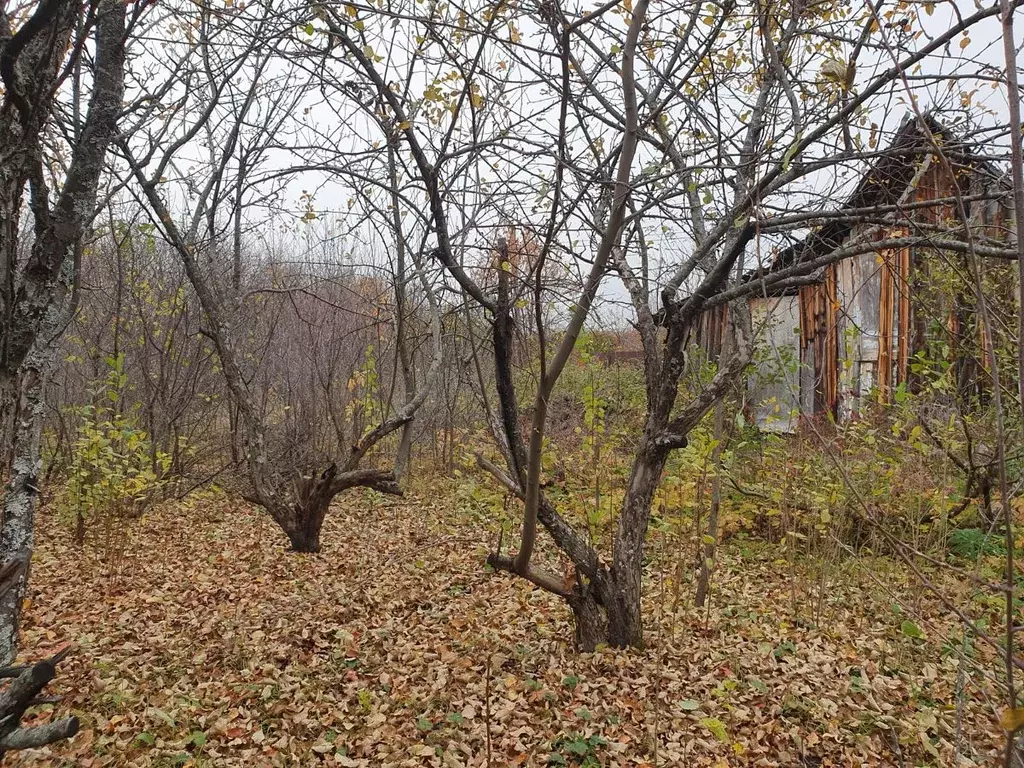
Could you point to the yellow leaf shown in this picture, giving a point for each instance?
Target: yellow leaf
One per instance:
(1012, 720)
(965, 42)
(834, 70)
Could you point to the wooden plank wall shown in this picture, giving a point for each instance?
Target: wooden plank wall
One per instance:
(893, 322)
(904, 343)
(711, 331)
(886, 311)
(819, 339)
(902, 329)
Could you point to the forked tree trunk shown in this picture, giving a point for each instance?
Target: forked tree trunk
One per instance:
(606, 604)
(602, 617)
(303, 517)
(607, 609)
(590, 618)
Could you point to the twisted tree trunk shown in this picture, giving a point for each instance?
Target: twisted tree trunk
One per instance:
(303, 518)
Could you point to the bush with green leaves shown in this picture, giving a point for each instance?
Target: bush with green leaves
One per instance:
(115, 472)
(972, 543)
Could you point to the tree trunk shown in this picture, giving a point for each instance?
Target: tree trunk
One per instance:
(307, 521)
(21, 693)
(21, 493)
(629, 544)
(404, 358)
(79, 528)
(711, 537)
(236, 453)
(302, 519)
(590, 618)
(17, 532)
(33, 290)
(8, 419)
(601, 616)
(404, 455)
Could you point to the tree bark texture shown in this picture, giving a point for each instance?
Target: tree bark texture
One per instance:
(303, 518)
(17, 532)
(35, 280)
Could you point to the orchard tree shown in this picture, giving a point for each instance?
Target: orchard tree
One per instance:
(685, 149)
(41, 49)
(236, 91)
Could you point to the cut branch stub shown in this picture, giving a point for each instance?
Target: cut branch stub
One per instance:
(670, 441)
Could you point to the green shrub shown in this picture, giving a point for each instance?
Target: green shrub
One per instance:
(114, 471)
(971, 543)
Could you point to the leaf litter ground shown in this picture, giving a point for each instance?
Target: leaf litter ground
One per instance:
(211, 646)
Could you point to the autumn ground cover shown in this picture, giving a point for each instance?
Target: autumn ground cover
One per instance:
(205, 644)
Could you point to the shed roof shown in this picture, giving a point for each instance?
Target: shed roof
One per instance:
(884, 184)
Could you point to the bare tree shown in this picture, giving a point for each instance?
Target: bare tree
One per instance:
(231, 110)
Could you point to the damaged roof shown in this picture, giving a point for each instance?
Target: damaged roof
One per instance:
(884, 184)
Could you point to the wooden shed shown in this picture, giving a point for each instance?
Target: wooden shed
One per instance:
(850, 336)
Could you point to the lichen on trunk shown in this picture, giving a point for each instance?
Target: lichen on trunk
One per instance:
(17, 532)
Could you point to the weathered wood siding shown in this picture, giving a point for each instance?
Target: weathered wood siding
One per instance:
(774, 387)
(819, 346)
(856, 331)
